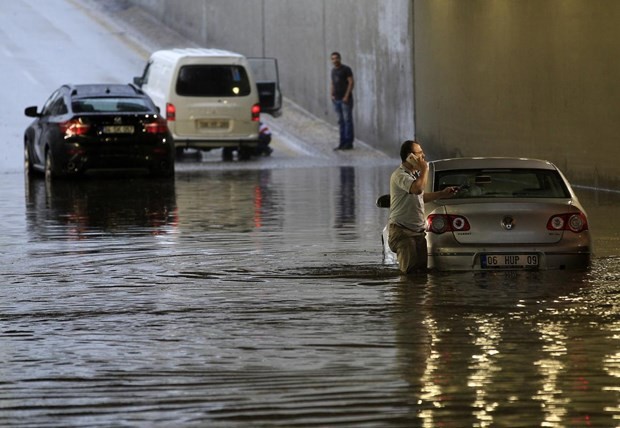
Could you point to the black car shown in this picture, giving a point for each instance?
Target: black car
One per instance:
(97, 127)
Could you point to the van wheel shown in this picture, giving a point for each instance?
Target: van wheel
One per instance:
(227, 154)
(245, 153)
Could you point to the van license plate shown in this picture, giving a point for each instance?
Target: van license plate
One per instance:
(118, 129)
(213, 124)
(488, 261)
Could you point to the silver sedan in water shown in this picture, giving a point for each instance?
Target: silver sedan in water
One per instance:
(508, 213)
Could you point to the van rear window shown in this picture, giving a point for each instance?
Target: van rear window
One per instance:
(213, 81)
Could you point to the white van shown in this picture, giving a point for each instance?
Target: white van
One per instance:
(210, 97)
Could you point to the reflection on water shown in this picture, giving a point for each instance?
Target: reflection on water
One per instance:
(258, 298)
(89, 208)
(229, 201)
(345, 209)
(516, 349)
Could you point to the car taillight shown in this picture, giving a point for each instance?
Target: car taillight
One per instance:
(160, 126)
(256, 112)
(441, 223)
(74, 127)
(171, 112)
(575, 222)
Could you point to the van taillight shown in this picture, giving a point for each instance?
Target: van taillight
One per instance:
(171, 112)
(158, 127)
(74, 127)
(256, 112)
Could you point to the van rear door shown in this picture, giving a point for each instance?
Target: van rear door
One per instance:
(265, 71)
(213, 100)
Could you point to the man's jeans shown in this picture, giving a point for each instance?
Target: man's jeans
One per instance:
(345, 122)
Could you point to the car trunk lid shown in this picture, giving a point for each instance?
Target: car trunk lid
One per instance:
(508, 222)
(117, 124)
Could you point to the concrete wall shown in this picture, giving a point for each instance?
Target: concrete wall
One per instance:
(536, 78)
(372, 36)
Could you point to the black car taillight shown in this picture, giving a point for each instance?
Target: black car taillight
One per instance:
(160, 126)
(441, 223)
(575, 222)
(74, 127)
(255, 112)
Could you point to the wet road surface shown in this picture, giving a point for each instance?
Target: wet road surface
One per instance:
(254, 294)
(234, 296)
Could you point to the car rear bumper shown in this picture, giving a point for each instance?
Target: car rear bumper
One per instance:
(203, 144)
(570, 251)
(573, 253)
(447, 260)
(102, 156)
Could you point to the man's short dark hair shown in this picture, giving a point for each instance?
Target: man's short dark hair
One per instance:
(335, 53)
(405, 149)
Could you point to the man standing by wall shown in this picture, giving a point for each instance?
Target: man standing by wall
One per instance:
(342, 98)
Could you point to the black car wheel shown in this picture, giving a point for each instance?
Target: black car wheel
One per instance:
(28, 168)
(165, 169)
(50, 168)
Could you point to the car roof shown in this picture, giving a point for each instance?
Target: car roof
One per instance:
(175, 54)
(491, 162)
(104, 90)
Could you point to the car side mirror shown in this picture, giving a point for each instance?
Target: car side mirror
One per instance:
(383, 201)
(31, 111)
(138, 81)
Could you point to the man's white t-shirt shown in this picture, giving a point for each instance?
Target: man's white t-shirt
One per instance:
(406, 209)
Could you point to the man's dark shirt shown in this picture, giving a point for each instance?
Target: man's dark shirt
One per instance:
(339, 79)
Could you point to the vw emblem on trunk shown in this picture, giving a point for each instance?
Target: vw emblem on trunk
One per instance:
(508, 223)
(118, 120)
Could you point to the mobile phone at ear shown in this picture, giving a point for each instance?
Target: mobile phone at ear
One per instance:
(412, 158)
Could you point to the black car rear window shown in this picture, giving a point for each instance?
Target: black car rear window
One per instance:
(213, 81)
(503, 183)
(111, 105)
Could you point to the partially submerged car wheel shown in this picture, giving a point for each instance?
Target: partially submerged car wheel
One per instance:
(28, 168)
(50, 167)
(385, 257)
(164, 170)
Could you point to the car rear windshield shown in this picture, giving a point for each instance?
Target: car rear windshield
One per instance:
(213, 81)
(503, 183)
(111, 105)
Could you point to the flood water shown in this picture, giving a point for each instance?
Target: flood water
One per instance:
(257, 297)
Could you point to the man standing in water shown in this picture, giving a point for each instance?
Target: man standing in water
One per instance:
(342, 98)
(407, 221)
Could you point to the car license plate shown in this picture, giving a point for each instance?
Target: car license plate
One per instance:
(118, 129)
(488, 261)
(213, 124)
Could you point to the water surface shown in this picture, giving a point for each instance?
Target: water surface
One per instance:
(241, 297)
